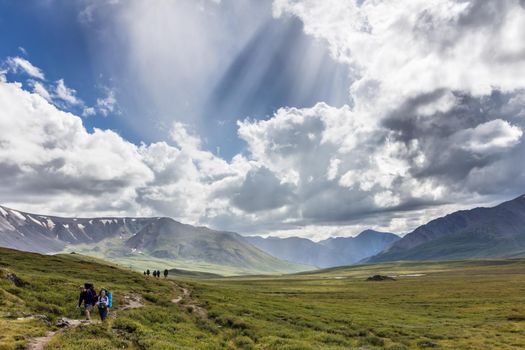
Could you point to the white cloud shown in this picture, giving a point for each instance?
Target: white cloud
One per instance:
(107, 104)
(491, 137)
(41, 90)
(88, 111)
(61, 167)
(66, 94)
(435, 116)
(313, 171)
(17, 64)
(411, 47)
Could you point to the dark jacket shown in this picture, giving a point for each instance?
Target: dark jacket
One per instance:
(89, 296)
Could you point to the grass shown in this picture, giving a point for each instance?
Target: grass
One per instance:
(478, 304)
(50, 291)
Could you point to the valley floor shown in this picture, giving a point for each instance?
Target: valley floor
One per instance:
(454, 305)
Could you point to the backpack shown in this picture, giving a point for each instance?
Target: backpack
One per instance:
(110, 299)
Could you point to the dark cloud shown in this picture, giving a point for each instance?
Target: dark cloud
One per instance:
(444, 136)
(261, 190)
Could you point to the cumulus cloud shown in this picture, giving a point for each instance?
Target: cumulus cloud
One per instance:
(405, 48)
(61, 166)
(434, 123)
(494, 136)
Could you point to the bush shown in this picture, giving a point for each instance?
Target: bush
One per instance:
(373, 340)
(243, 342)
(150, 297)
(426, 344)
(127, 325)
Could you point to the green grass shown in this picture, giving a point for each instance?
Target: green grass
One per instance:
(50, 290)
(453, 305)
(478, 304)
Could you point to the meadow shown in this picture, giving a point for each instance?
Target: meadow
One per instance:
(478, 304)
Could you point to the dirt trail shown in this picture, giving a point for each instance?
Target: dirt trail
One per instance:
(40, 342)
(132, 301)
(185, 300)
(185, 294)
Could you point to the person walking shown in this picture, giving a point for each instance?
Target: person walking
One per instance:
(103, 304)
(88, 296)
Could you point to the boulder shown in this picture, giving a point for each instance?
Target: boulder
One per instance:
(380, 278)
(11, 277)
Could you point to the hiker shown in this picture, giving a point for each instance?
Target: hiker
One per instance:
(103, 304)
(88, 296)
(166, 273)
(158, 273)
(147, 272)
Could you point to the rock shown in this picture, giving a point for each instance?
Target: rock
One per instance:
(11, 277)
(63, 323)
(380, 278)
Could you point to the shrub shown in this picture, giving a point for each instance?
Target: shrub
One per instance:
(127, 325)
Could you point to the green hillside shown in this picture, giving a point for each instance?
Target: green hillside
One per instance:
(473, 304)
(249, 260)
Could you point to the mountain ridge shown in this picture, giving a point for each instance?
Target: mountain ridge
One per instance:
(335, 251)
(497, 231)
(130, 239)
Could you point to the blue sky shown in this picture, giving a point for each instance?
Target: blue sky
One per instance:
(51, 36)
(283, 117)
(252, 79)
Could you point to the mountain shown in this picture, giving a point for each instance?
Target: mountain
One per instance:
(477, 233)
(167, 238)
(138, 242)
(328, 253)
(364, 245)
(295, 249)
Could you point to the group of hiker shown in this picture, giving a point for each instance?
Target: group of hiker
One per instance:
(156, 273)
(103, 300)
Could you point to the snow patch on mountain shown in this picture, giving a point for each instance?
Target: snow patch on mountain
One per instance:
(35, 220)
(17, 214)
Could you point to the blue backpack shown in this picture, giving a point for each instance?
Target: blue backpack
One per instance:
(110, 299)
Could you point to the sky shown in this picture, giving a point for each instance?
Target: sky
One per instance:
(285, 117)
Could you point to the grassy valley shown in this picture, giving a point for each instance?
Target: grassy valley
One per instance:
(477, 304)
(112, 249)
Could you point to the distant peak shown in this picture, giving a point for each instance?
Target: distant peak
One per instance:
(370, 232)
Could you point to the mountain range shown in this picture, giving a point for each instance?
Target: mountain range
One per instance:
(165, 243)
(477, 233)
(139, 242)
(331, 252)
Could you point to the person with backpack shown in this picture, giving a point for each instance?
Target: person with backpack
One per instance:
(104, 303)
(88, 296)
